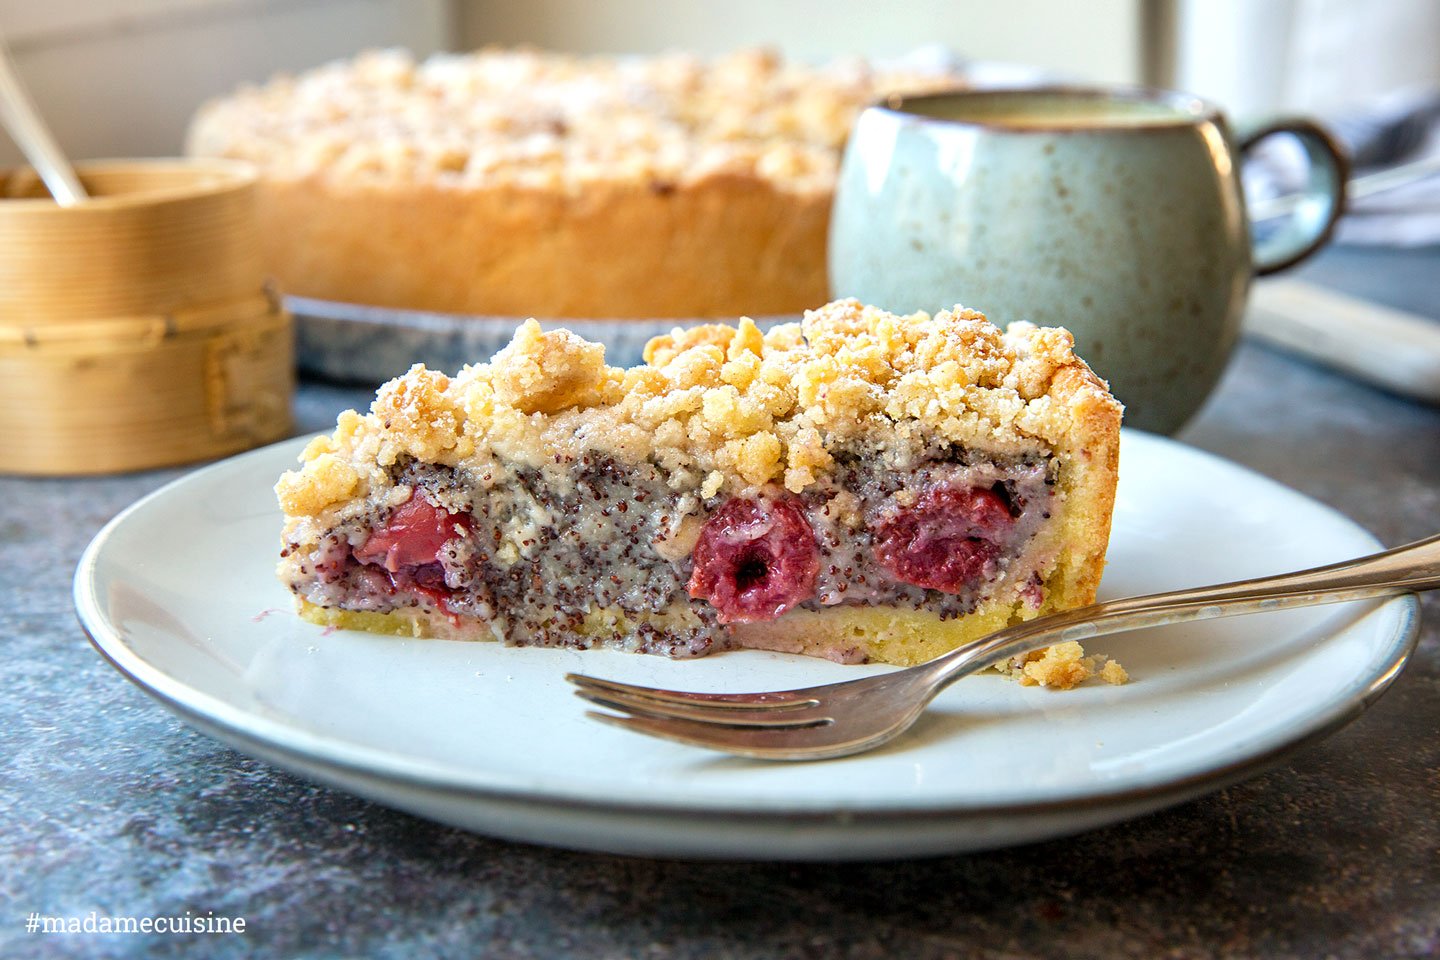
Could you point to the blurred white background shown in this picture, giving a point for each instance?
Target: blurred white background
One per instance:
(1315, 56)
(122, 77)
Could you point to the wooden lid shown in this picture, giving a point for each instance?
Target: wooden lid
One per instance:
(157, 236)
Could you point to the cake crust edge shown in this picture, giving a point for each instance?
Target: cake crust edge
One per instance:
(734, 244)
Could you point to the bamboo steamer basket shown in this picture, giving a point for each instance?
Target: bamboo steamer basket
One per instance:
(137, 329)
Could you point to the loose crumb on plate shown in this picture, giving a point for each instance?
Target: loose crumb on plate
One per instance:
(1065, 665)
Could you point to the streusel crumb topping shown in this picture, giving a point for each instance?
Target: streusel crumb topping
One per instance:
(721, 407)
(546, 120)
(1066, 665)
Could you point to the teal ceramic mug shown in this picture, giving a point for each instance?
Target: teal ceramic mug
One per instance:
(1116, 213)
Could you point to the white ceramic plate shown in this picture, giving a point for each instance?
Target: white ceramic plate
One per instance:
(178, 593)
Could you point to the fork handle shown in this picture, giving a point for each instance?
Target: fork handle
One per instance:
(1411, 568)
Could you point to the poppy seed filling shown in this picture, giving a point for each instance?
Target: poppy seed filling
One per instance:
(530, 561)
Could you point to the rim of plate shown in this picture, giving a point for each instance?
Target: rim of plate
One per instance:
(312, 749)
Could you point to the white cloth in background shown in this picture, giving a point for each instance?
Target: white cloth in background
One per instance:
(1401, 128)
(1370, 70)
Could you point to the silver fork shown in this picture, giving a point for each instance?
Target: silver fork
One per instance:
(837, 719)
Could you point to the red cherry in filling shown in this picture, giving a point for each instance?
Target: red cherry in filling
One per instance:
(755, 559)
(414, 535)
(949, 540)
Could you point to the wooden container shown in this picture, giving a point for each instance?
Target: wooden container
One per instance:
(137, 329)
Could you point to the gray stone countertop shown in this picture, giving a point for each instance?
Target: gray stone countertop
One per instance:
(108, 802)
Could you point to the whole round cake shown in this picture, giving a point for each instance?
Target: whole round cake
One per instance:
(521, 183)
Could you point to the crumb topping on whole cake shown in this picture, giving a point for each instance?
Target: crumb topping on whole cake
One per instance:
(547, 120)
(723, 409)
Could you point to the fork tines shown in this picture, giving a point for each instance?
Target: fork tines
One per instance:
(774, 711)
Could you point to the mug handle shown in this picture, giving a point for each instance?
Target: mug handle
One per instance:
(1322, 201)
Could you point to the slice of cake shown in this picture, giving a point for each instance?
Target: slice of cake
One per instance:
(859, 486)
